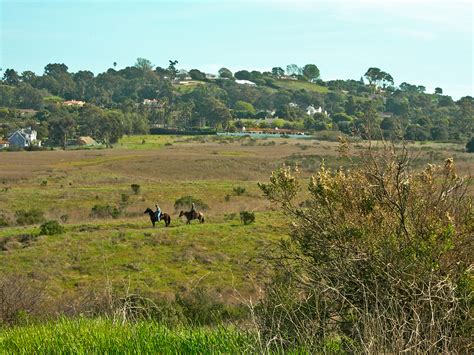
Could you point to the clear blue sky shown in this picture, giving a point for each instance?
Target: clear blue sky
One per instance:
(424, 42)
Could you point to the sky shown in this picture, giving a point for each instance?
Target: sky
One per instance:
(422, 42)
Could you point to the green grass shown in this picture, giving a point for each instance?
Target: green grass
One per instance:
(99, 336)
(298, 85)
(144, 142)
(219, 254)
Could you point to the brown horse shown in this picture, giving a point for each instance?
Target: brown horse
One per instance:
(164, 217)
(192, 215)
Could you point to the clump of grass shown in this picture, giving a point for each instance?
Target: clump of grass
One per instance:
(239, 190)
(247, 217)
(4, 222)
(103, 211)
(32, 216)
(135, 188)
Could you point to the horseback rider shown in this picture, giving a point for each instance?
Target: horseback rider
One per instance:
(193, 210)
(158, 212)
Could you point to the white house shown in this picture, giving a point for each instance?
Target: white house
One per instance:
(151, 102)
(310, 110)
(210, 76)
(24, 137)
(74, 103)
(245, 82)
(4, 144)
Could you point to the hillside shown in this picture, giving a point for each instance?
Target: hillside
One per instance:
(62, 106)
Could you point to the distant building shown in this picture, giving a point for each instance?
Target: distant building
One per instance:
(4, 144)
(276, 131)
(292, 104)
(86, 141)
(310, 110)
(245, 82)
(151, 102)
(211, 76)
(24, 137)
(74, 103)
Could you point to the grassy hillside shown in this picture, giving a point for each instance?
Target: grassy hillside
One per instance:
(298, 85)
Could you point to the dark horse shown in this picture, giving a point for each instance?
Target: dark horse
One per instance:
(164, 217)
(192, 215)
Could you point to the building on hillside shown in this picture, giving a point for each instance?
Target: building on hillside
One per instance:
(276, 131)
(211, 76)
(245, 82)
(74, 103)
(24, 137)
(151, 102)
(86, 141)
(4, 144)
(310, 110)
(292, 104)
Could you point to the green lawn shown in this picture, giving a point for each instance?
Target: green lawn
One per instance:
(219, 254)
(298, 85)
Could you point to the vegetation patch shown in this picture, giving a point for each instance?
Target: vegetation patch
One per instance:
(51, 228)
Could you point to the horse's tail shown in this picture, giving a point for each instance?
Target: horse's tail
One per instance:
(202, 218)
(169, 221)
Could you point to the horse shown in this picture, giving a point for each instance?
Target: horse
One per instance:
(192, 215)
(164, 216)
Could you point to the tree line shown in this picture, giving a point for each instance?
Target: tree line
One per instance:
(116, 102)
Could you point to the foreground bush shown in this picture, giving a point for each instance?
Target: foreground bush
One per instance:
(378, 259)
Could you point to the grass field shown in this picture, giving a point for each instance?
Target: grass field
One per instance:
(67, 184)
(125, 255)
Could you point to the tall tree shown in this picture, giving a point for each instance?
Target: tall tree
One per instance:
(28, 77)
(278, 72)
(11, 77)
(61, 128)
(311, 72)
(144, 65)
(243, 75)
(225, 73)
(293, 69)
(172, 69)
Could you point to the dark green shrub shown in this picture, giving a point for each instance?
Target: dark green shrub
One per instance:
(470, 146)
(51, 228)
(135, 188)
(201, 307)
(185, 202)
(239, 190)
(247, 217)
(4, 221)
(32, 216)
